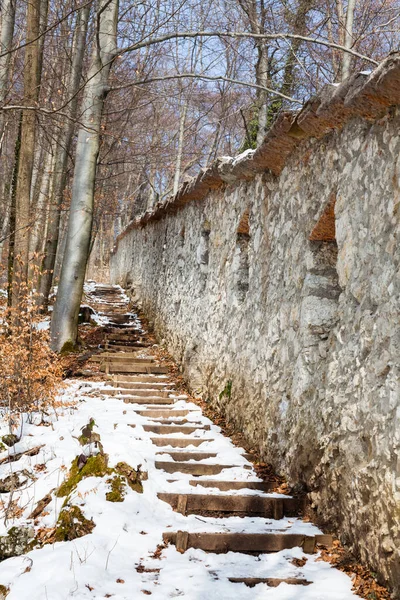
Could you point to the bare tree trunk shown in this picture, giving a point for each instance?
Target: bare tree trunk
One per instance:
(41, 205)
(6, 37)
(13, 191)
(24, 181)
(64, 324)
(262, 76)
(4, 227)
(61, 159)
(348, 39)
(178, 163)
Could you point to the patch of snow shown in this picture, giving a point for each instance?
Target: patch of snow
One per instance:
(246, 154)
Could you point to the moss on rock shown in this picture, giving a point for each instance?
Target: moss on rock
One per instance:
(118, 489)
(132, 476)
(95, 466)
(68, 347)
(71, 524)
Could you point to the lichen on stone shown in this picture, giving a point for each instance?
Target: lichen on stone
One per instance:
(17, 541)
(71, 524)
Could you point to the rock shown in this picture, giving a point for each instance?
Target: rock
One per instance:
(10, 439)
(71, 524)
(17, 541)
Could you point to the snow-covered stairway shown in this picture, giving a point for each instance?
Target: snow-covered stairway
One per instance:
(255, 538)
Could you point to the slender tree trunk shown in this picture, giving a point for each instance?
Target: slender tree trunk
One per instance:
(13, 191)
(61, 159)
(6, 37)
(41, 205)
(178, 164)
(262, 76)
(24, 181)
(348, 39)
(64, 324)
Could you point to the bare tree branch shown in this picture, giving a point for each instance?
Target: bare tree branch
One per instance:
(244, 35)
(207, 78)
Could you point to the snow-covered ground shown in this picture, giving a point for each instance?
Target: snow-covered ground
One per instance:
(116, 560)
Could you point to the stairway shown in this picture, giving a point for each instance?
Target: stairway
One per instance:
(242, 513)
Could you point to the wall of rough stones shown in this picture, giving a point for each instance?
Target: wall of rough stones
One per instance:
(288, 287)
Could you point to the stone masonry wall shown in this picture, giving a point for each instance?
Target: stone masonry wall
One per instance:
(307, 330)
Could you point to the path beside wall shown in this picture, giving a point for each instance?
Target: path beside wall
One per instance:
(279, 295)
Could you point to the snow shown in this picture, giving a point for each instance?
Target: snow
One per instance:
(127, 534)
(117, 559)
(246, 154)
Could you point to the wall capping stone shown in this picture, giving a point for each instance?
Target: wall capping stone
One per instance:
(366, 95)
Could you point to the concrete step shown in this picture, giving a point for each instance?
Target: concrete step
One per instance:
(187, 456)
(260, 506)
(179, 442)
(253, 543)
(224, 486)
(167, 429)
(191, 468)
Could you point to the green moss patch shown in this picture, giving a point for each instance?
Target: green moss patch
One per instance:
(118, 489)
(68, 347)
(95, 466)
(132, 476)
(71, 524)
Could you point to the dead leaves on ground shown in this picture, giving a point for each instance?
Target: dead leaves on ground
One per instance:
(365, 584)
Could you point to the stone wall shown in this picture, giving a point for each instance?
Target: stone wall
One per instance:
(287, 286)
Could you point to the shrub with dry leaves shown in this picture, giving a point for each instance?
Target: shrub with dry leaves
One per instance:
(30, 372)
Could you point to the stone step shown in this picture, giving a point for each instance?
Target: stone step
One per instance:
(136, 392)
(166, 429)
(224, 486)
(187, 456)
(191, 468)
(179, 442)
(145, 400)
(248, 543)
(261, 506)
(269, 581)
(114, 367)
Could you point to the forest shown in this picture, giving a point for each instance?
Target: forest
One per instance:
(106, 107)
